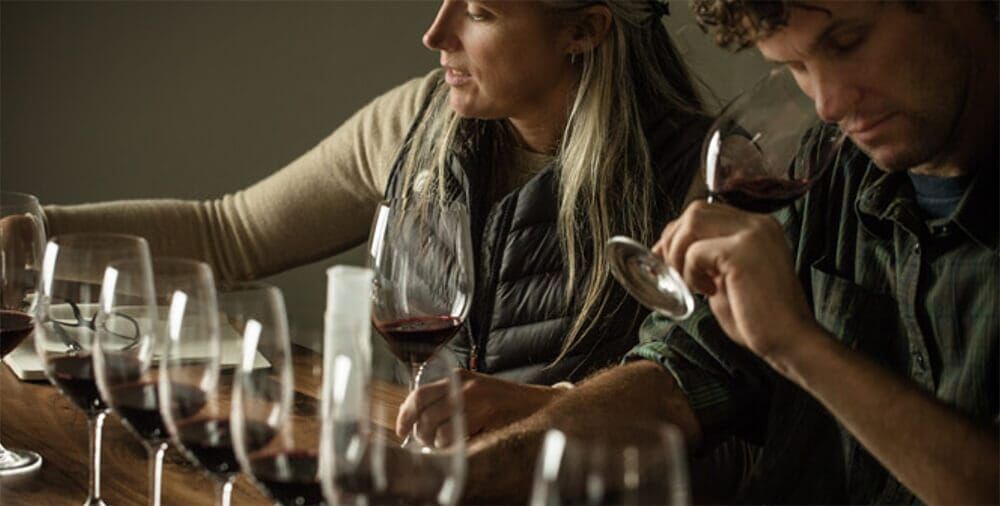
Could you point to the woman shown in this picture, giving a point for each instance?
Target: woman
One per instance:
(571, 121)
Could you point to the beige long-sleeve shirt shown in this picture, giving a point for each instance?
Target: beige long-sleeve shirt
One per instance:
(317, 206)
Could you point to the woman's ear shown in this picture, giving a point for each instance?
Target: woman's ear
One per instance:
(591, 28)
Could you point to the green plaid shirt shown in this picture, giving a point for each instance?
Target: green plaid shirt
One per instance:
(920, 298)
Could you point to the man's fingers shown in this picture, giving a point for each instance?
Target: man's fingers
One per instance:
(701, 221)
(706, 261)
(663, 243)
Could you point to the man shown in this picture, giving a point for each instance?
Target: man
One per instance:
(863, 359)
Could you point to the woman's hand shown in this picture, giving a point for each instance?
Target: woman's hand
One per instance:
(489, 402)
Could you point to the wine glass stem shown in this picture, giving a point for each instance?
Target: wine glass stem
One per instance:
(96, 424)
(225, 492)
(416, 370)
(156, 472)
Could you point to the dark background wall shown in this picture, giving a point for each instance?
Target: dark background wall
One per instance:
(194, 99)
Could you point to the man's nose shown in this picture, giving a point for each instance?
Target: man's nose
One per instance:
(835, 95)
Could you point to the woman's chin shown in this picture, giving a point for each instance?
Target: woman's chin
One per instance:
(467, 108)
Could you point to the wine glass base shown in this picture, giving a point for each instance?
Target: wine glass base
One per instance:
(18, 462)
(653, 283)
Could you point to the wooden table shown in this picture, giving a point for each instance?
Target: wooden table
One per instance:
(35, 416)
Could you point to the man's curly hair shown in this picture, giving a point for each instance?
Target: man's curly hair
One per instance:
(737, 24)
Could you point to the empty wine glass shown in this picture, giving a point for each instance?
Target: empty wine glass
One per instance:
(365, 459)
(191, 372)
(346, 448)
(347, 361)
(421, 254)
(276, 390)
(765, 150)
(22, 239)
(643, 464)
(73, 269)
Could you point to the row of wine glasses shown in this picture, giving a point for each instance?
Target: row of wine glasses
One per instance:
(152, 342)
(143, 338)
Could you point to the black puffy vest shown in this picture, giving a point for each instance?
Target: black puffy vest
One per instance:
(519, 317)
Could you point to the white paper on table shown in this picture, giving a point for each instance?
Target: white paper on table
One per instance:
(27, 366)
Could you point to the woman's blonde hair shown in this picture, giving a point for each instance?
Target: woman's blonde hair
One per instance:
(603, 159)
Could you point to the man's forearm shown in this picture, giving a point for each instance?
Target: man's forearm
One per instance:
(501, 463)
(939, 454)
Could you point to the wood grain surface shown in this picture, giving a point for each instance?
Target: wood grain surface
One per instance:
(36, 416)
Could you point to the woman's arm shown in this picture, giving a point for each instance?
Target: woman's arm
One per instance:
(315, 207)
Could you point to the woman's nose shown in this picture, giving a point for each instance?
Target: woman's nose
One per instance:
(440, 36)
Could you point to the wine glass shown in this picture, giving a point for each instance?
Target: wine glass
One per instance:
(364, 459)
(67, 313)
(347, 362)
(643, 464)
(127, 350)
(191, 372)
(420, 253)
(22, 238)
(276, 390)
(766, 149)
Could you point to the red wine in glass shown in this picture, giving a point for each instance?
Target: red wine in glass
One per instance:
(74, 375)
(289, 477)
(15, 327)
(209, 442)
(415, 340)
(137, 404)
(761, 194)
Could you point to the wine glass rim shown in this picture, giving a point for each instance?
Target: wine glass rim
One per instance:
(247, 286)
(635, 429)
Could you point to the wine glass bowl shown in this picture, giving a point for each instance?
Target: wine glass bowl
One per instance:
(22, 239)
(421, 256)
(643, 464)
(765, 150)
(652, 282)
